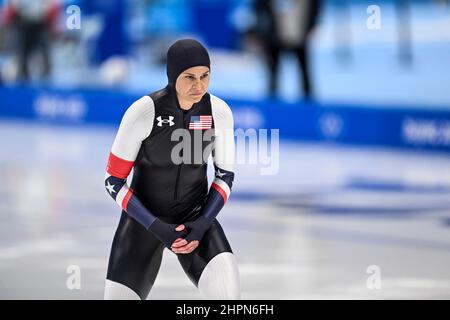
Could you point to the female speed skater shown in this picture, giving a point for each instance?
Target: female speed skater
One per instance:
(169, 203)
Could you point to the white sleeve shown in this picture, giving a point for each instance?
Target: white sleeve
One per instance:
(135, 127)
(224, 152)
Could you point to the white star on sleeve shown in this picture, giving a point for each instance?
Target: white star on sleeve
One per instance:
(220, 174)
(110, 188)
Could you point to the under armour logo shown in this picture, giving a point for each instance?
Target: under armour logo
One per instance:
(161, 121)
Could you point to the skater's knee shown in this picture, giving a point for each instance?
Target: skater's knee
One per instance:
(220, 278)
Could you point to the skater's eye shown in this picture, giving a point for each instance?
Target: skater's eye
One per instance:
(205, 76)
(190, 77)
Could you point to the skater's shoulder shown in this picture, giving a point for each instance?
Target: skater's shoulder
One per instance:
(141, 108)
(219, 105)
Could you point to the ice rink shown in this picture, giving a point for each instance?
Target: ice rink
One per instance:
(315, 230)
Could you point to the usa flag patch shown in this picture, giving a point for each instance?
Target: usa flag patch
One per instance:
(200, 122)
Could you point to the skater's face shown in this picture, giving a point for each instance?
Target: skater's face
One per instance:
(192, 84)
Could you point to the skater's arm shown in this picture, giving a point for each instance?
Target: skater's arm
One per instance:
(135, 127)
(223, 156)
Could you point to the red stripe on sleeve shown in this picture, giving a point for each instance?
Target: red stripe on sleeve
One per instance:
(126, 199)
(118, 167)
(220, 190)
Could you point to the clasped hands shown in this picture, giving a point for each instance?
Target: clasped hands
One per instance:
(196, 229)
(183, 238)
(181, 245)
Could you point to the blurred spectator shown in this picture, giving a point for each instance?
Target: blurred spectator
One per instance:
(34, 21)
(403, 11)
(285, 25)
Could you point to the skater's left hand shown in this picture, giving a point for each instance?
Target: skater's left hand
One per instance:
(181, 245)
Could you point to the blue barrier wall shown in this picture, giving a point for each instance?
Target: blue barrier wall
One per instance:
(396, 127)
